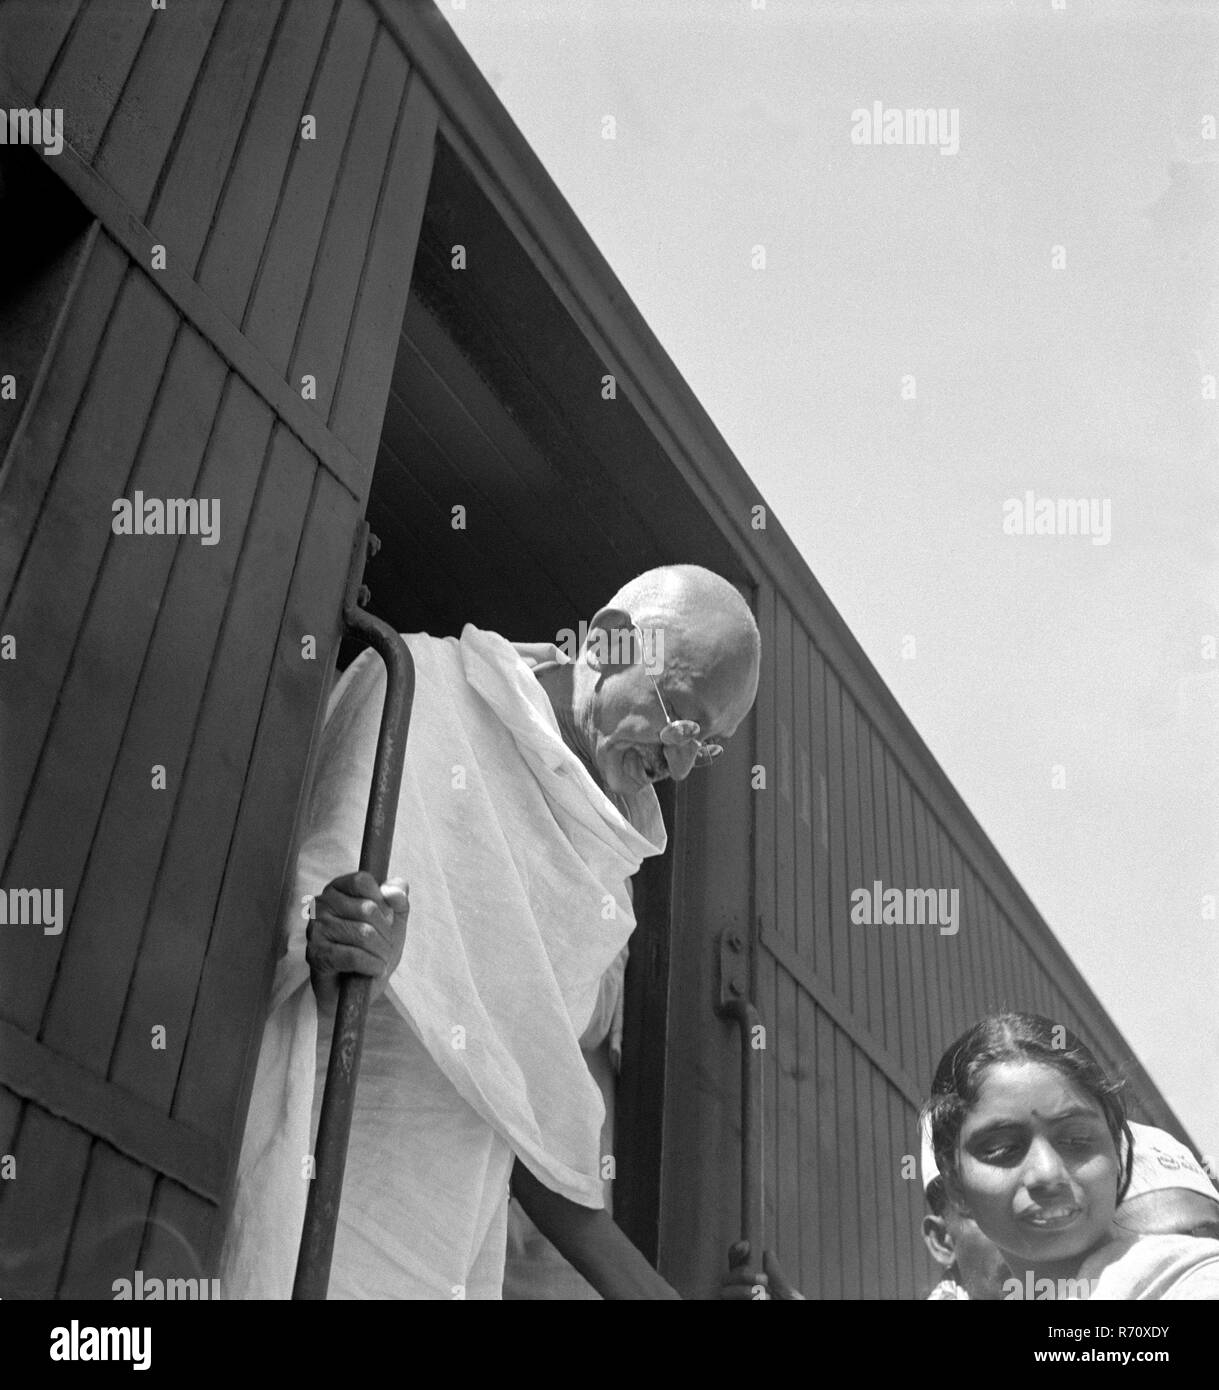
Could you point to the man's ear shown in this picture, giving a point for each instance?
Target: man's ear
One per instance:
(938, 1239)
(609, 644)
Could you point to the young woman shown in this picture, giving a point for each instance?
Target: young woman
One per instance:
(1031, 1138)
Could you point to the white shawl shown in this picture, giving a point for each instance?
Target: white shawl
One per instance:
(517, 865)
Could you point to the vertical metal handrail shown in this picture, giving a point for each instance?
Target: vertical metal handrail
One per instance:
(347, 1041)
(734, 1004)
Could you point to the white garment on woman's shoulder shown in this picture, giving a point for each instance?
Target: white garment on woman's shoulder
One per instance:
(1168, 1267)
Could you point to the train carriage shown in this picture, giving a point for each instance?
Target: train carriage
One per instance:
(296, 259)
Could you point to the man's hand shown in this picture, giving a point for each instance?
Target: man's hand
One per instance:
(358, 928)
(744, 1284)
(588, 1239)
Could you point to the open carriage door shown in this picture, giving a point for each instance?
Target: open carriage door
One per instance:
(213, 322)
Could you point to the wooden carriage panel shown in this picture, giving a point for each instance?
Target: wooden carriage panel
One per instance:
(190, 184)
(49, 603)
(127, 1040)
(135, 146)
(92, 67)
(31, 34)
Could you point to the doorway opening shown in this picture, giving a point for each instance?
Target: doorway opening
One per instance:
(511, 493)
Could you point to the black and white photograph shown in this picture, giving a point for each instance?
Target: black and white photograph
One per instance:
(609, 665)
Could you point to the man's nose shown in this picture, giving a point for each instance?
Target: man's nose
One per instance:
(680, 758)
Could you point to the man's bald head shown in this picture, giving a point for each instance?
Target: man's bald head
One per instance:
(707, 625)
(697, 665)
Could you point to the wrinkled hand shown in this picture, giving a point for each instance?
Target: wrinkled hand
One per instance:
(745, 1284)
(358, 928)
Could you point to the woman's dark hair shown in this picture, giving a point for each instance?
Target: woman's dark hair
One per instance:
(1012, 1037)
(937, 1196)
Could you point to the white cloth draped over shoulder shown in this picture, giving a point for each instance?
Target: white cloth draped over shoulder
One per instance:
(517, 864)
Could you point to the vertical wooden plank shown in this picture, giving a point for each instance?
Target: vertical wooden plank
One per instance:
(973, 989)
(1024, 966)
(1003, 955)
(92, 69)
(237, 971)
(840, 924)
(270, 133)
(952, 947)
(137, 140)
(819, 752)
(786, 1127)
(766, 754)
(994, 959)
(866, 1141)
(811, 1175)
(914, 999)
(848, 1165)
(987, 964)
(190, 185)
(359, 403)
(37, 1206)
(31, 34)
(1037, 985)
(978, 942)
(806, 801)
(789, 1173)
(899, 987)
(1040, 983)
(10, 1118)
(884, 1280)
(907, 1192)
(639, 1100)
(766, 812)
(214, 810)
(39, 446)
(927, 937)
(925, 982)
(1013, 965)
(790, 1176)
(930, 935)
(938, 944)
(183, 1235)
(862, 938)
(223, 818)
(51, 598)
(330, 304)
(97, 704)
(873, 769)
(286, 270)
(700, 1177)
(1014, 954)
(108, 1225)
(767, 990)
(878, 938)
(786, 635)
(180, 887)
(829, 1168)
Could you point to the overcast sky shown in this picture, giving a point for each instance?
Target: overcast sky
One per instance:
(1072, 373)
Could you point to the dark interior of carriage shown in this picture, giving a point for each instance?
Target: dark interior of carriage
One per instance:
(42, 230)
(497, 407)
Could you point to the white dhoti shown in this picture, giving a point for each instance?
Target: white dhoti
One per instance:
(517, 865)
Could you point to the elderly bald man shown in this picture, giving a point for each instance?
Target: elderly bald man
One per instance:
(527, 804)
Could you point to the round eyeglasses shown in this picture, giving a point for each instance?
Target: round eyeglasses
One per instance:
(681, 731)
